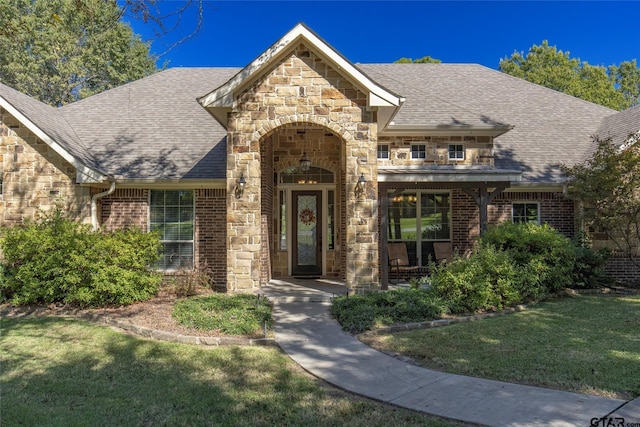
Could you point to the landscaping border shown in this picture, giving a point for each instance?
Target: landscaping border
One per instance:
(137, 330)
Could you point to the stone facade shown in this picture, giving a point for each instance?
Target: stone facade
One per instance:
(302, 88)
(478, 150)
(34, 177)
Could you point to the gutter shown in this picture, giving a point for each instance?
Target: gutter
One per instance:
(94, 204)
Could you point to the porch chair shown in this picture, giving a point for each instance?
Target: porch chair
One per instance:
(399, 260)
(443, 251)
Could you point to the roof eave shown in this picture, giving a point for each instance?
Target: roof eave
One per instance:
(85, 173)
(442, 130)
(436, 175)
(171, 184)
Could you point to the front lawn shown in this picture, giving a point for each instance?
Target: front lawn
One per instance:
(586, 344)
(66, 372)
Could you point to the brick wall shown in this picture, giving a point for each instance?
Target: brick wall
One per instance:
(623, 269)
(555, 209)
(267, 220)
(125, 208)
(211, 232)
(34, 177)
(465, 221)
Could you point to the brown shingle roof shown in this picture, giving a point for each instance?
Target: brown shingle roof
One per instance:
(549, 127)
(619, 126)
(154, 128)
(51, 122)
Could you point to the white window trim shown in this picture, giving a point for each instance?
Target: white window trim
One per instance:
(456, 159)
(526, 202)
(193, 241)
(424, 145)
(387, 152)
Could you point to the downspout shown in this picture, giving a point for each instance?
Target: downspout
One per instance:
(94, 204)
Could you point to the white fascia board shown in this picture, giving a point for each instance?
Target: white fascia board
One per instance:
(223, 96)
(85, 173)
(171, 184)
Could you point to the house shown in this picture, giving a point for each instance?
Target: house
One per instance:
(303, 163)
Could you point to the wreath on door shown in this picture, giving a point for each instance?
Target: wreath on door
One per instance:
(307, 216)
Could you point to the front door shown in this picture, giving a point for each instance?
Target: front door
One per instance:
(307, 233)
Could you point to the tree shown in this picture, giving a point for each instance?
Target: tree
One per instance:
(616, 87)
(608, 186)
(167, 19)
(423, 60)
(59, 51)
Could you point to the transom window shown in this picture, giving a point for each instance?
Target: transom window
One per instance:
(525, 212)
(383, 151)
(456, 152)
(171, 213)
(418, 219)
(314, 175)
(418, 151)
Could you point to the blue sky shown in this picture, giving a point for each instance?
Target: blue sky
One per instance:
(235, 32)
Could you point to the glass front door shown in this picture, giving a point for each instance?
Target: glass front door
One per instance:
(307, 233)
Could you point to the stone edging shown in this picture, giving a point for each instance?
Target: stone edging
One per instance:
(442, 322)
(140, 330)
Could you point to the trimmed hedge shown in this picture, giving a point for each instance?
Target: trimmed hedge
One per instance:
(57, 260)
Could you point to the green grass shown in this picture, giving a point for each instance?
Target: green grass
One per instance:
(241, 314)
(67, 372)
(587, 344)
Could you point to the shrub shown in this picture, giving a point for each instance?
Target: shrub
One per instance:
(187, 280)
(488, 280)
(57, 260)
(359, 313)
(540, 248)
(516, 263)
(589, 270)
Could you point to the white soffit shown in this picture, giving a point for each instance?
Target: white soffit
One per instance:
(223, 97)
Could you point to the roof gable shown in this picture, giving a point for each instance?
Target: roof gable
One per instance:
(153, 128)
(48, 124)
(222, 99)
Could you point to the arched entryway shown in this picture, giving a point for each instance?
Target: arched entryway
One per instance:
(302, 202)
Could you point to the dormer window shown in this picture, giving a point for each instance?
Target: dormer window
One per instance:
(456, 152)
(383, 151)
(418, 151)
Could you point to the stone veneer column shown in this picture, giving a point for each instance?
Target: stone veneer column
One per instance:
(243, 214)
(362, 211)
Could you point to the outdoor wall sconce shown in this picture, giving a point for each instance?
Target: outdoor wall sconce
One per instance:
(242, 182)
(359, 189)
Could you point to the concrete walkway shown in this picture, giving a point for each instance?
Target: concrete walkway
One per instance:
(306, 331)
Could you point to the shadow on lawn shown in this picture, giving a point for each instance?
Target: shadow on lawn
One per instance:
(64, 372)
